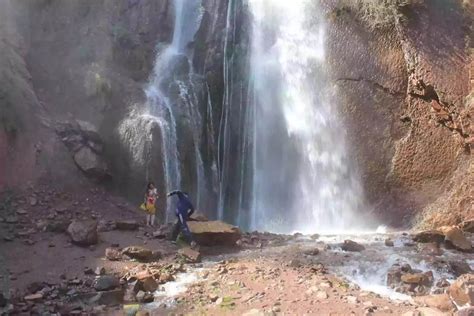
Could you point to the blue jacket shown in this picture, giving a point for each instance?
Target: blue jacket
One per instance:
(184, 204)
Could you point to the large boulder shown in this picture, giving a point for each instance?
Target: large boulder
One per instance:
(459, 268)
(353, 246)
(113, 254)
(439, 301)
(462, 290)
(91, 163)
(145, 282)
(429, 236)
(190, 255)
(106, 283)
(456, 237)
(83, 232)
(214, 233)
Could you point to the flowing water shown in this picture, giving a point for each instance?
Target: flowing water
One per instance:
(282, 162)
(303, 178)
(171, 103)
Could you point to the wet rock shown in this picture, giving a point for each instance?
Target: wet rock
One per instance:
(418, 278)
(314, 236)
(459, 268)
(190, 255)
(430, 249)
(429, 236)
(108, 298)
(352, 246)
(212, 233)
(127, 225)
(138, 253)
(113, 254)
(106, 282)
(165, 278)
(140, 297)
(146, 282)
(441, 302)
(312, 252)
(83, 233)
(462, 290)
(389, 242)
(455, 236)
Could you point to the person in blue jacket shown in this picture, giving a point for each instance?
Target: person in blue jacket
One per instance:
(184, 210)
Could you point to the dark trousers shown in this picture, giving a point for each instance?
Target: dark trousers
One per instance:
(182, 226)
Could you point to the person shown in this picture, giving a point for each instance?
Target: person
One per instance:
(184, 210)
(151, 195)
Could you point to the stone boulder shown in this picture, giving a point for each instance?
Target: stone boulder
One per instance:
(439, 301)
(106, 283)
(139, 253)
(352, 246)
(91, 163)
(113, 254)
(127, 225)
(425, 279)
(190, 255)
(456, 237)
(145, 282)
(431, 249)
(462, 290)
(214, 233)
(429, 236)
(459, 268)
(83, 232)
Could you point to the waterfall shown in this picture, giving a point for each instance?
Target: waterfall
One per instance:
(172, 107)
(303, 178)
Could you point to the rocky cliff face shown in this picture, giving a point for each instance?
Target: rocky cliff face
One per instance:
(403, 93)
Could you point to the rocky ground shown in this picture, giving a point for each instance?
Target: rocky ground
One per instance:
(88, 253)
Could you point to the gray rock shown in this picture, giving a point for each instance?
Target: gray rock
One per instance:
(113, 254)
(91, 163)
(106, 282)
(350, 245)
(83, 233)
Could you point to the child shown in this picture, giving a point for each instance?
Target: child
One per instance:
(151, 195)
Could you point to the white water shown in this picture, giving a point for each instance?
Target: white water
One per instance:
(172, 71)
(303, 178)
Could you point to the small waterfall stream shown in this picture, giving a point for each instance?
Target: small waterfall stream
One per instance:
(172, 105)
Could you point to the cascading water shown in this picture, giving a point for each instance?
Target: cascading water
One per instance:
(302, 177)
(171, 105)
